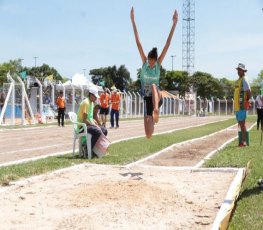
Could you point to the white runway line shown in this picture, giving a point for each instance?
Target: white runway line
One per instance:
(33, 158)
(33, 149)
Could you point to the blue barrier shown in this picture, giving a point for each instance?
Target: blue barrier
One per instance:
(8, 112)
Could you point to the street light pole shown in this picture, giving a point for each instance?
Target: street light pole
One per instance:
(172, 56)
(35, 61)
(84, 71)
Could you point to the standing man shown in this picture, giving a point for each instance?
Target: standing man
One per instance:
(241, 101)
(61, 103)
(259, 105)
(115, 107)
(104, 103)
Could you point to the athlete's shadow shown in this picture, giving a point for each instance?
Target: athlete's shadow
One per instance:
(250, 192)
(135, 175)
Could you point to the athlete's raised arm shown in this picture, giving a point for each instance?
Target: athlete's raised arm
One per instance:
(143, 57)
(161, 57)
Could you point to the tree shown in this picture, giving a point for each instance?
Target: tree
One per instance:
(227, 88)
(42, 72)
(179, 81)
(14, 66)
(112, 76)
(257, 84)
(205, 85)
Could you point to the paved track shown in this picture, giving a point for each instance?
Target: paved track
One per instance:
(18, 144)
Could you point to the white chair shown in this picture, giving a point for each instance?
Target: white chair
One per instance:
(78, 134)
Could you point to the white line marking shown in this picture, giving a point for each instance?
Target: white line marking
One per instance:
(33, 149)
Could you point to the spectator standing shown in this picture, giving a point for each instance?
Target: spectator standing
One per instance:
(104, 103)
(2, 102)
(259, 105)
(115, 107)
(241, 101)
(61, 103)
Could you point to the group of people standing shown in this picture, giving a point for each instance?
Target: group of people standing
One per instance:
(106, 98)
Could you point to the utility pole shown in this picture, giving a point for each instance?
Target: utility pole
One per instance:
(172, 56)
(35, 61)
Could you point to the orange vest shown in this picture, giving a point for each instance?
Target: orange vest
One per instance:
(104, 100)
(61, 102)
(115, 100)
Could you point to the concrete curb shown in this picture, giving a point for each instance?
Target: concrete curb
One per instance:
(223, 217)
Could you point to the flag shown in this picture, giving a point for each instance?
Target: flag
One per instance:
(50, 77)
(102, 83)
(23, 75)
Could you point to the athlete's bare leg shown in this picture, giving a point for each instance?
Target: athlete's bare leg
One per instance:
(148, 126)
(156, 96)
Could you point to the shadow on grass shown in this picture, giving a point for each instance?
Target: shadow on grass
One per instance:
(75, 157)
(250, 192)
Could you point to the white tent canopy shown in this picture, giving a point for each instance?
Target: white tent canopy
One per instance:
(78, 81)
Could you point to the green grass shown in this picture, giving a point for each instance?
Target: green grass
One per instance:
(119, 153)
(249, 209)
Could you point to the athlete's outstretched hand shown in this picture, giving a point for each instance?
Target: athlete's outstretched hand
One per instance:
(132, 14)
(175, 17)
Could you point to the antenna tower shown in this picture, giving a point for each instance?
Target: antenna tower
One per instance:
(188, 46)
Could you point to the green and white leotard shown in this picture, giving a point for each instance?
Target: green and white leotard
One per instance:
(148, 77)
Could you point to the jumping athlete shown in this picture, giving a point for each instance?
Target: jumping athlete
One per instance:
(150, 77)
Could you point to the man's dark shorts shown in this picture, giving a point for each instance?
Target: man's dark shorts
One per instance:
(104, 111)
(148, 105)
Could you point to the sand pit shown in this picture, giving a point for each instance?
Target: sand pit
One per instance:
(189, 154)
(111, 197)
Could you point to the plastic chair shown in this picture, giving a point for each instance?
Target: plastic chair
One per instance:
(78, 134)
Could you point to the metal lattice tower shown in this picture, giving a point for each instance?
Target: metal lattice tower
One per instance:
(188, 40)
